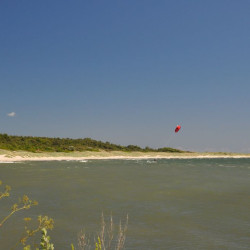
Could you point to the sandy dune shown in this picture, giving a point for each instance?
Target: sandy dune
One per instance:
(16, 156)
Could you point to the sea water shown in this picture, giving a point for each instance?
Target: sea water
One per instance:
(171, 203)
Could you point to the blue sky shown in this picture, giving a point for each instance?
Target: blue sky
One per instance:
(128, 71)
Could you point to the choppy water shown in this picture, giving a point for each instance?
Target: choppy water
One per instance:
(172, 204)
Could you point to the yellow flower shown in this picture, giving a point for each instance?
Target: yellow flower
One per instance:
(27, 219)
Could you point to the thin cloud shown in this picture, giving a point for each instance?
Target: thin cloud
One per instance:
(11, 114)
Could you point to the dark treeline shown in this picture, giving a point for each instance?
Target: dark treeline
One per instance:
(46, 144)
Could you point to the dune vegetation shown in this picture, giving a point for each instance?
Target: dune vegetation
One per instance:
(46, 144)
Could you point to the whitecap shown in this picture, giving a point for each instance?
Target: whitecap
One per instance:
(151, 161)
(10, 162)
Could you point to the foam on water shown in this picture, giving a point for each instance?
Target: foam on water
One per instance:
(9, 162)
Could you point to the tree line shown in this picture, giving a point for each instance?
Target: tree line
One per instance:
(47, 144)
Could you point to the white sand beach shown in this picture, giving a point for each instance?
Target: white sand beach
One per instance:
(19, 156)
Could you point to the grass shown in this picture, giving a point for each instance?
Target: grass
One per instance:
(110, 236)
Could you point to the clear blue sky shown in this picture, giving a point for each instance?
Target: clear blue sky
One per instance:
(128, 71)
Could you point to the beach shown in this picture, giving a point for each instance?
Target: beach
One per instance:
(18, 156)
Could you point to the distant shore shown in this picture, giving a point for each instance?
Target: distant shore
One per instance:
(19, 156)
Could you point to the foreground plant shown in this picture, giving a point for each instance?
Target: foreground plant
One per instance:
(5, 193)
(24, 203)
(44, 222)
(109, 237)
(44, 243)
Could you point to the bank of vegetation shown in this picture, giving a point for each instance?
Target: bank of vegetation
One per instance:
(46, 144)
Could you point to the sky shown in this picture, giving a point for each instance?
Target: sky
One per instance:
(128, 71)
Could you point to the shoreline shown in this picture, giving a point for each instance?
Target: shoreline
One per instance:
(22, 156)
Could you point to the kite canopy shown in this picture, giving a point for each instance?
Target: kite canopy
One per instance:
(178, 127)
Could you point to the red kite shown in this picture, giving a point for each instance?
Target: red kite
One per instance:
(178, 127)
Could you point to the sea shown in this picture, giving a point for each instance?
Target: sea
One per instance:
(170, 203)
